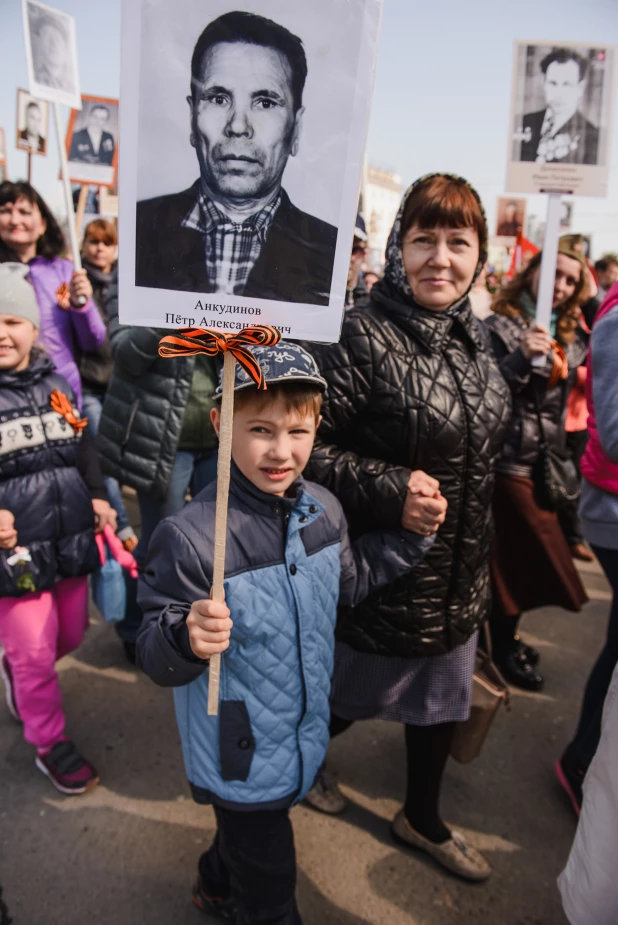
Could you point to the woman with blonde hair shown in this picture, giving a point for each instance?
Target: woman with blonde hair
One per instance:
(531, 564)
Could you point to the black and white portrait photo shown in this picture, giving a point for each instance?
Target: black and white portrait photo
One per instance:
(92, 141)
(243, 182)
(51, 53)
(562, 106)
(32, 123)
(566, 215)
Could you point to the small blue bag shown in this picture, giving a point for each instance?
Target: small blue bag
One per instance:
(108, 588)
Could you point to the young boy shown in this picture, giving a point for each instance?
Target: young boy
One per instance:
(289, 562)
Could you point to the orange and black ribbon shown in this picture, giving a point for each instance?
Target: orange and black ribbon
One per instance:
(63, 296)
(560, 369)
(62, 406)
(190, 343)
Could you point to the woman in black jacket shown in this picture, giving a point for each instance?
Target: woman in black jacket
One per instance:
(412, 386)
(531, 564)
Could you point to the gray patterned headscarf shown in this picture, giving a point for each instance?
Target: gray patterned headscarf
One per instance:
(394, 270)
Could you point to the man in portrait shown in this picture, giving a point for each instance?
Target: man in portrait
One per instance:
(510, 225)
(30, 135)
(560, 132)
(92, 144)
(235, 230)
(51, 54)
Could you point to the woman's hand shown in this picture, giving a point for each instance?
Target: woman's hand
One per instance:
(536, 342)
(80, 289)
(209, 628)
(104, 514)
(424, 510)
(8, 533)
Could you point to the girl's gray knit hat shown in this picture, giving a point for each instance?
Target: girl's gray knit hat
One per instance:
(17, 295)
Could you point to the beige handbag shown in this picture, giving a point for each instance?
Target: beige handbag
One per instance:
(489, 691)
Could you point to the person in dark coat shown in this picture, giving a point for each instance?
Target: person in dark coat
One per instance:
(99, 249)
(413, 424)
(531, 564)
(51, 490)
(235, 230)
(560, 132)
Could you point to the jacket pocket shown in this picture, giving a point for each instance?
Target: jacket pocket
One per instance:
(236, 742)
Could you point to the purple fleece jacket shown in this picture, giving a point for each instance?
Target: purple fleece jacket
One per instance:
(63, 334)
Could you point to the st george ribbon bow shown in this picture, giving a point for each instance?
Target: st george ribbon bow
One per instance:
(199, 340)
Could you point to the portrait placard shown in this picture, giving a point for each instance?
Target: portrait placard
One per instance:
(32, 123)
(566, 215)
(243, 134)
(510, 218)
(561, 118)
(92, 141)
(51, 54)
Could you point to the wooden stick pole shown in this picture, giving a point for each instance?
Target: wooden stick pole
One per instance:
(223, 489)
(549, 260)
(81, 207)
(68, 195)
(29, 166)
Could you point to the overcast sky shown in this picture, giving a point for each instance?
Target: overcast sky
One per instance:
(441, 98)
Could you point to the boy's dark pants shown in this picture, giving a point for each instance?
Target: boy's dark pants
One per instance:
(253, 858)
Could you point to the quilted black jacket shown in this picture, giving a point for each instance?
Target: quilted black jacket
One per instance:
(529, 386)
(144, 407)
(413, 389)
(41, 483)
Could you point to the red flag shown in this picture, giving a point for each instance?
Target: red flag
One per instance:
(522, 252)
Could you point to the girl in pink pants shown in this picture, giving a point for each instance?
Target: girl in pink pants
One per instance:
(51, 489)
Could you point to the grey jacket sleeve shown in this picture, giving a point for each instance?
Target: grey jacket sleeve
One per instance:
(172, 580)
(377, 559)
(134, 349)
(605, 382)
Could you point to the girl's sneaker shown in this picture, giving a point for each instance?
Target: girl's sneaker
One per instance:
(68, 771)
(9, 691)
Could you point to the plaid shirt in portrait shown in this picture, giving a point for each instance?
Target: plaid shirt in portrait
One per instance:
(231, 248)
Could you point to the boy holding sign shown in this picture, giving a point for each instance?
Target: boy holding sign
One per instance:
(289, 562)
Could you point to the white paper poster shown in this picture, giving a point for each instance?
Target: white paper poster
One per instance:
(561, 118)
(51, 54)
(243, 136)
(32, 123)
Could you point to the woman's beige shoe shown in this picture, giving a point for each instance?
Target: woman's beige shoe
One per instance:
(455, 854)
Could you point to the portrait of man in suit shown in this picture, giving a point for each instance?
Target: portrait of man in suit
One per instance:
(561, 132)
(235, 231)
(92, 144)
(30, 136)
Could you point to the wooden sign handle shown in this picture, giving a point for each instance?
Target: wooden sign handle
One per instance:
(223, 489)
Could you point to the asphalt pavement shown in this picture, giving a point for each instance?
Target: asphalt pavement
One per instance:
(125, 854)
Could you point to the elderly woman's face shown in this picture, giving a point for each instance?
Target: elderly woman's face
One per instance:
(440, 264)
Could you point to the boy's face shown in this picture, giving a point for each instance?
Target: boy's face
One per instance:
(271, 445)
(17, 337)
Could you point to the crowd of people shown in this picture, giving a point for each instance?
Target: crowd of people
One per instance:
(390, 495)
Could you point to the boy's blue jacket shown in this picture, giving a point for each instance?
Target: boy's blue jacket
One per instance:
(288, 563)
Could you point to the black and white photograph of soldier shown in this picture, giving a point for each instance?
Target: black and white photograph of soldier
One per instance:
(563, 106)
(566, 214)
(95, 143)
(236, 230)
(51, 53)
(511, 216)
(32, 123)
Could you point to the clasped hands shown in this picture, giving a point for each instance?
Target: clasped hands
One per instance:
(424, 509)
